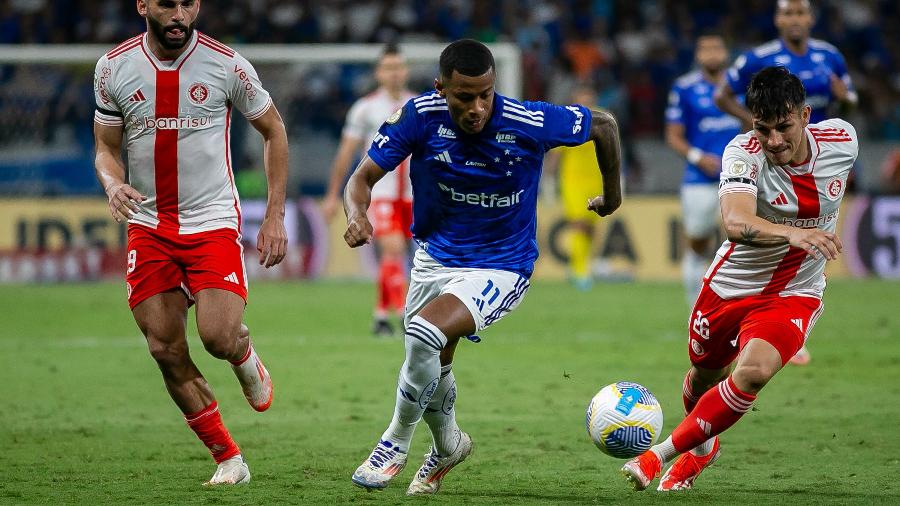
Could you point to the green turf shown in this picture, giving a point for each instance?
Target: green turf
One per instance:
(85, 418)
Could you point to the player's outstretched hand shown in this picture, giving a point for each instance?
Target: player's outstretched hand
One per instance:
(359, 232)
(601, 206)
(816, 242)
(123, 201)
(271, 242)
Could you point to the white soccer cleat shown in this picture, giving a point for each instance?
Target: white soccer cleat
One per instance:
(385, 461)
(233, 471)
(255, 380)
(429, 476)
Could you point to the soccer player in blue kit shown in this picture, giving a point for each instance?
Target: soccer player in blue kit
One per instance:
(475, 167)
(699, 131)
(819, 65)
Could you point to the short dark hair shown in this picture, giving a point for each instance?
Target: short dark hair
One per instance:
(390, 49)
(466, 56)
(774, 93)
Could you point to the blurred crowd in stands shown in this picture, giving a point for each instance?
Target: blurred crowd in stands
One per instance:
(631, 50)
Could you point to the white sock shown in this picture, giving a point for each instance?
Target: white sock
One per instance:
(440, 414)
(704, 448)
(693, 267)
(418, 380)
(665, 451)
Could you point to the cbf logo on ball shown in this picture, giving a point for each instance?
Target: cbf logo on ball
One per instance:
(624, 419)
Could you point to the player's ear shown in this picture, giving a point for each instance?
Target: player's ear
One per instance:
(439, 87)
(142, 7)
(804, 115)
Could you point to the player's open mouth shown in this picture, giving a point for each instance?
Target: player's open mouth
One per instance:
(174, 33)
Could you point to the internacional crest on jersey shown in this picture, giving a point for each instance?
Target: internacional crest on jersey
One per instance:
(176, 116)
(807, 195)
(475, 196)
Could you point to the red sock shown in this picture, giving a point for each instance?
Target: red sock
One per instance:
(392, 284)
(384, 288)
(210, 429)
(717, 410)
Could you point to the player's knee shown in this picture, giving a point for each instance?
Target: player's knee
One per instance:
(221, 340)
(168, 355)
(751, 378)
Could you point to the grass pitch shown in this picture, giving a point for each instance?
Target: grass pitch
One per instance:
(85, 418)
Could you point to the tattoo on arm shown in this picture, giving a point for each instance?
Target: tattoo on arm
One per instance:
(750, 237)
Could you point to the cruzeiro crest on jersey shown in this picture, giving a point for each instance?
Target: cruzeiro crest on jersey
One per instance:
(393, 118)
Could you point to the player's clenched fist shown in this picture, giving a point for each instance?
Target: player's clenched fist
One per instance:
(359, 232)
(817, 242)
(603, 206)
(123, 201)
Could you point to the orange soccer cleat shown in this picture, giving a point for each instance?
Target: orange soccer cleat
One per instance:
(686, 468)
(642, 470)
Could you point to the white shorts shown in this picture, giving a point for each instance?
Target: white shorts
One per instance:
(489, 294)
(700, 209)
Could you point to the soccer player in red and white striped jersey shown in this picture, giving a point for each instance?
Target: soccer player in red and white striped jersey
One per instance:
(169, 93)
(780, 192)
(391, 208)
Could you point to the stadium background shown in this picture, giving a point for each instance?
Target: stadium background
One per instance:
(630, 51)
(85, 418)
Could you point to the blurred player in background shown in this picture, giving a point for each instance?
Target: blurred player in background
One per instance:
(170, 92)
(476, 166)
(580, 180)
(699, 131)
(781, 189)
(391, 209)
(819, 65)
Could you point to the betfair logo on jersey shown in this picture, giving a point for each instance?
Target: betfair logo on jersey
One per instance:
(483, 199)
(179, 123)
(445, 132)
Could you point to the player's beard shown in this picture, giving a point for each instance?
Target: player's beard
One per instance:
(159, 31)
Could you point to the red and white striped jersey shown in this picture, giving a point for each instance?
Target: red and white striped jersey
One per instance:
(806, 195)
(177, 118)
(363, 121)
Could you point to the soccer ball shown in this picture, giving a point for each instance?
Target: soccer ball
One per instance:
(624, 419)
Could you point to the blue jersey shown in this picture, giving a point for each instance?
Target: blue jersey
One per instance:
(814, 70)
(706, 127)
(475, 196)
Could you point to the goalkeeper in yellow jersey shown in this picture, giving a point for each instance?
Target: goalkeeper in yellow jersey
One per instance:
(579, 181)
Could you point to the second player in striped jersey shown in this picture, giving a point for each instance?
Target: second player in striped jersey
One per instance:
(391, 209)
(169, 94)
(781, 189)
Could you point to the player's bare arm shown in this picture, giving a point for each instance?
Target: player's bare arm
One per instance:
(348, 147)
(272, 239)
(743, 226)
(110, 172)
(726, 99)
(677, 140)
(605, 134)
(357, 197)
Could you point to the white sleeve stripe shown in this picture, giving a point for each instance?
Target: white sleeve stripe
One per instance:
(737, 189)
(258, 114)
(107, 120)
(523, 120)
